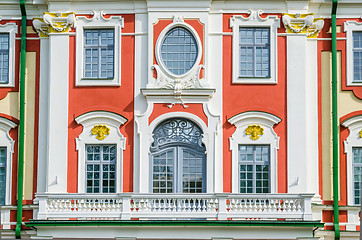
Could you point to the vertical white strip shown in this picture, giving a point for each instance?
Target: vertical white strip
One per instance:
(140, 105)
(57, 142)
(297, 113)
(312, 119)
(215, 74)
(43, 113)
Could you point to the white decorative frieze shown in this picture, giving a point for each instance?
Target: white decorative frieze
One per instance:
(253, 16)
(98, 17)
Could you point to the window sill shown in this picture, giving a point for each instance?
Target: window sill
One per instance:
(354, 84)
(7, 85)
(256, 80)
(98, 82)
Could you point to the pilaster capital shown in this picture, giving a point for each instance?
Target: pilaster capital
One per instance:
(54, 23)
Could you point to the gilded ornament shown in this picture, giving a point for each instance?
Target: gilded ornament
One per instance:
(101, 131)
(254, 131)
(360, 134)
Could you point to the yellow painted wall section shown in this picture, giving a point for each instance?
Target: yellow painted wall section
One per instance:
(326, 92)
(10, 105)
(29, 124)
(347, 103)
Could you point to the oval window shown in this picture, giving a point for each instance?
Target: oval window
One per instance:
(179, 50)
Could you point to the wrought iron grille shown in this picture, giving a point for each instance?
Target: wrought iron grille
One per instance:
(177, 131)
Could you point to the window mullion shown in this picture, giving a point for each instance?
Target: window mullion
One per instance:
(254, 169)
(99, 54)
(101, 169)
(176, 170)
(254, 49)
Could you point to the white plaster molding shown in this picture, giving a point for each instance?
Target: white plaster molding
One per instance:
(113, 121)
(96, 22)
(165, 78)
(241, 122)
(8, 142)
(178, 97)
(354, 125)
(255, 20)
(350, 27)
(11, 29)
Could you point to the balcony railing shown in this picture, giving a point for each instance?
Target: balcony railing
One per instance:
(126, 206)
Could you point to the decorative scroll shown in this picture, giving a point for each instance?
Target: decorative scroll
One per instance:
(101, 131)
(303, 23)
(254, 131)
(177, 131)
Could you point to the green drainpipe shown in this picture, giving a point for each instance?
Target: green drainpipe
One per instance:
(19, 214)
(335, 122)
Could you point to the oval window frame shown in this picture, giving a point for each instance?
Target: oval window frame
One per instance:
(159, 42)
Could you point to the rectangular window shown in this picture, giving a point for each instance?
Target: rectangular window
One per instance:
(357, 173)
(4, 58)
(254, 46)
(99, 53)
(2, 175)
(254, 168)
(357, 56)
(101, 168)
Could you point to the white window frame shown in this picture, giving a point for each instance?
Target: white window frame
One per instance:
(354, 125)
(11, 29)
(254, 20)
(8, 142)
(98, 22)
(158, 50)
(239, 137)
(349, 28)
(113, 121)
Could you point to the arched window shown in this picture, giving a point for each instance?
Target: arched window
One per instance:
(178, 158)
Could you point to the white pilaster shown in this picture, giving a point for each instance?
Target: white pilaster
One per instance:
(58, 86)
(214, 54)
(312, 119)
(297, 113)
(140, 105)
(43, 115)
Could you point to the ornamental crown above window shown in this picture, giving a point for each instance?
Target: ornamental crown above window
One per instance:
(178, 53)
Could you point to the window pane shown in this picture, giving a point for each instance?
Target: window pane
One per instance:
(4, 58)
(254, 52)
(163, 172)
(2, 175)
(254, 170)
(357, 172)
(192, 173)
(179, 50)
(101, 168)
(99, 53)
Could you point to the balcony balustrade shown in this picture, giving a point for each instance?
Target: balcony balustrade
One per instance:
(127, 206)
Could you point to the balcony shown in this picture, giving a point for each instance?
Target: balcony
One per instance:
(127, 206)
